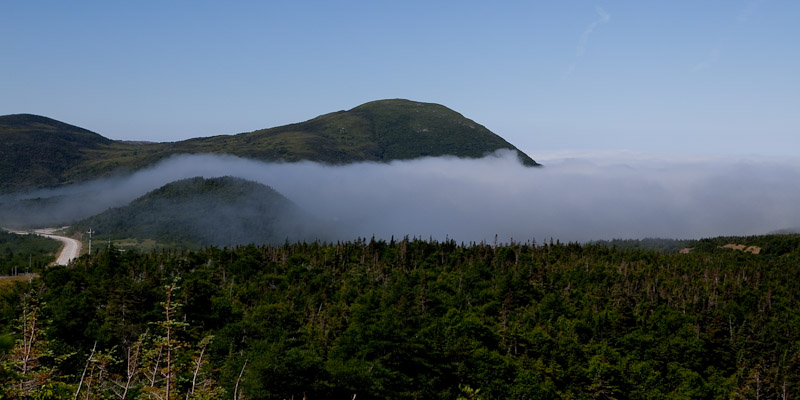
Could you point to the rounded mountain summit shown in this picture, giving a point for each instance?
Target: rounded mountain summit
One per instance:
(379, 131)
(383, 130)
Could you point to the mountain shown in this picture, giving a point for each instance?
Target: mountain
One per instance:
(198, 212)
(383, 130)
(41, 152)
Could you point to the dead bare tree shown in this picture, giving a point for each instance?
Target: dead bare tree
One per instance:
(198, 363)
(30, 348)
(85, 368)
(236, 388)
(132, 368)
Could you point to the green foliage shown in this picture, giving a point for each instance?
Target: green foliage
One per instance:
(21, 252)
(420, 319)
(29, 369)
(52, 391)
(469, 393)
(657, 244)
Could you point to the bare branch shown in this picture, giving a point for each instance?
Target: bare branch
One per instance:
(85, 367)
(236, 388)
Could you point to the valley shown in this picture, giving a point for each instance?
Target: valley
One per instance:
(376, 200)
(280, 264)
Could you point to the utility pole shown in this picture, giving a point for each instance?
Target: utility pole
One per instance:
(90, 232)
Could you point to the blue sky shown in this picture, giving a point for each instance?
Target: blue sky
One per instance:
(704, 77)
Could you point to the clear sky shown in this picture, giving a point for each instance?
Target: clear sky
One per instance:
(711, 77)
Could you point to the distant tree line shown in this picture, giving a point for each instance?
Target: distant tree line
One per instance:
(21, 253)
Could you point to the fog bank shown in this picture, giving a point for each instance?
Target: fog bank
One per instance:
(575, 197)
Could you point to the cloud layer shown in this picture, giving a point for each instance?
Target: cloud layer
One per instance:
(576, 197)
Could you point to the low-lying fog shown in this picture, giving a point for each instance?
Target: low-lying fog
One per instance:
(575, 197)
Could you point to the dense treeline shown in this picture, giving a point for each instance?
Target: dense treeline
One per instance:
(410, 319)
(19, 253)
(659, 244)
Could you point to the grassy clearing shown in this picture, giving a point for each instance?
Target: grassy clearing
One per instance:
(144, 245)
(7, 281)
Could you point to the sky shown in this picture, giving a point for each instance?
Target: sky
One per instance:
(692, 77)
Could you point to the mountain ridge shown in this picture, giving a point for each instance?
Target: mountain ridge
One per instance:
(41, 152)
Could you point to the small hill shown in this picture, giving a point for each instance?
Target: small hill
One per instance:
(199, 212)
(41, 152)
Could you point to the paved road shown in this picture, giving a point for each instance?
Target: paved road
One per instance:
(70, 251)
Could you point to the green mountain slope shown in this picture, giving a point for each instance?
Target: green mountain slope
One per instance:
(383, 130)
(41, 152)
(38, 151)
(198, 212)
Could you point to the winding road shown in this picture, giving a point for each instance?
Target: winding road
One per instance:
(70, 251)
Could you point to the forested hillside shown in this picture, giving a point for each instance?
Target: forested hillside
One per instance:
(37, 151)
(197, 212)
(410, 319)
(40, 152)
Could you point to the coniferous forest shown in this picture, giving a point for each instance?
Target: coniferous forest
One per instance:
(410, 319)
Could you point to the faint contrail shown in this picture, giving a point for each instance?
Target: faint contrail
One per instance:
(604, 18)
